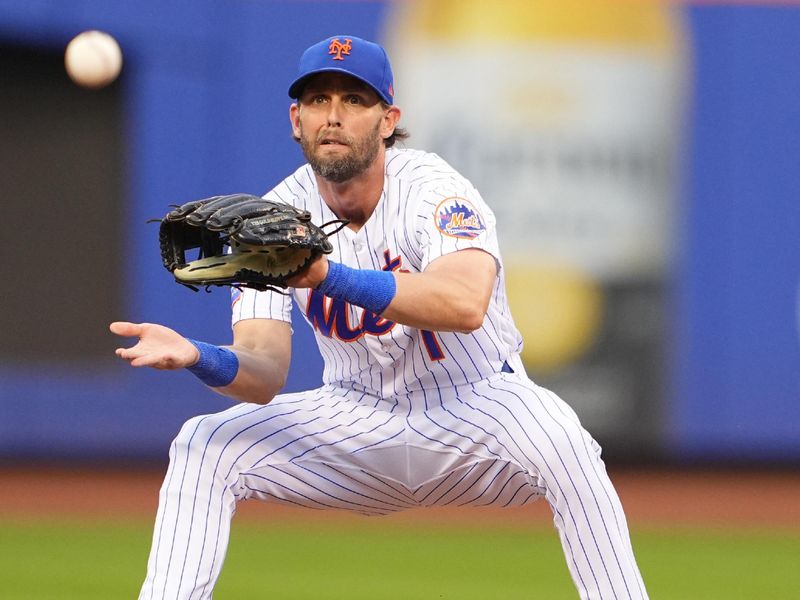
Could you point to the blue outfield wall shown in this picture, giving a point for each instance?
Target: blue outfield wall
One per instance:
(736, 355)
(206, 112)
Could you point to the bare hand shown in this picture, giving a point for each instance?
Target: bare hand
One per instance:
(312, 275)
(158, 346)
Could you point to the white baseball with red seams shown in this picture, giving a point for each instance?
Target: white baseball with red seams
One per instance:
(405, 418)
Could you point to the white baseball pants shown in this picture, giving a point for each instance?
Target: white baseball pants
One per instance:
(503, 441)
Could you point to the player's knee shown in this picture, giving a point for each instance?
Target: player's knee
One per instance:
(576, 442)
(196, 434)
(567, 442)
(592, 444)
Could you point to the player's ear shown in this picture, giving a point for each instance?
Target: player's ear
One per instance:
(390, 119)
(294, 117)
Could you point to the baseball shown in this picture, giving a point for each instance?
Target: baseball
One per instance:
(93, 59)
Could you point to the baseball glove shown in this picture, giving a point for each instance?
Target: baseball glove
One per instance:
(243, 241)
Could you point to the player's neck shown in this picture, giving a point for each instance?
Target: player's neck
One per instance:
(356, 198)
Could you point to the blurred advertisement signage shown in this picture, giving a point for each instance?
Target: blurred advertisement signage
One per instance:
(566, 116)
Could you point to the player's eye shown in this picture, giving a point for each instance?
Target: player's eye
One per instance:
(352, 99)
(315, 99)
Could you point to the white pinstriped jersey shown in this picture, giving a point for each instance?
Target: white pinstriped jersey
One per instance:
(426, 210)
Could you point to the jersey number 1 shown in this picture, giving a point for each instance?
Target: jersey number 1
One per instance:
(428, 337)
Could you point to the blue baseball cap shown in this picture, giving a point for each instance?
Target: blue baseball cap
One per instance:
(352, 56)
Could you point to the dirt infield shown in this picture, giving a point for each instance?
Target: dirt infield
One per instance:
(710, 498)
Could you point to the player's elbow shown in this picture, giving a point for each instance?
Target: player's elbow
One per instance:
(472, 325)
(257, 386)
(260, 399)
(470, 318)
(262, 394)
(469, 306)
(272, 388)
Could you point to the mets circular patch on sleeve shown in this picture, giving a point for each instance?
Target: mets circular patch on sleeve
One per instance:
(457, 217)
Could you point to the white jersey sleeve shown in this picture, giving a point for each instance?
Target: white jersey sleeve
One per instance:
(455, 223)
(251, 304)
(450, 216)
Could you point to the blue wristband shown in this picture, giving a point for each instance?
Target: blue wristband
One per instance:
(373, 290)
(217, 366)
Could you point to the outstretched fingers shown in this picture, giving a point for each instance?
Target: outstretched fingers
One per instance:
(147, 355)
(126, 329)
(157, 360)
(158, 346)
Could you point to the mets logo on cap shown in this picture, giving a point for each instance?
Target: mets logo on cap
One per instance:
(336, 48)
(456, 217)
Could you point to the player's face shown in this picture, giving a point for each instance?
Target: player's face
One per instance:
(340, 123)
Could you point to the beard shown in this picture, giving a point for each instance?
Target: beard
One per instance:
(338, 169)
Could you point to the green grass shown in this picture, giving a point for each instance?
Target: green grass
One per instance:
(376, 561)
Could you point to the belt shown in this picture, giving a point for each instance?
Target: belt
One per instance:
(506, 368)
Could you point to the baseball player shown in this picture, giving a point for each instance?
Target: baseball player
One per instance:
(425, 401)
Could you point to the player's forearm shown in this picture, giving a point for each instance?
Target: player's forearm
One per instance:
(452, 294)
(261, 349)
(260, 377)
(436, 303)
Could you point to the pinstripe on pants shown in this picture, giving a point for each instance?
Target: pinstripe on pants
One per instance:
(502, 441)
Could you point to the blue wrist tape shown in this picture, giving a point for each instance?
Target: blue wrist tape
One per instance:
(217, 366)
(373, 290)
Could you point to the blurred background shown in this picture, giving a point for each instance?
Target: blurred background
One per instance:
(640, 157)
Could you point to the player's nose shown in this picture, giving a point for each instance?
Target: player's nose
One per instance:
(335, 112)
